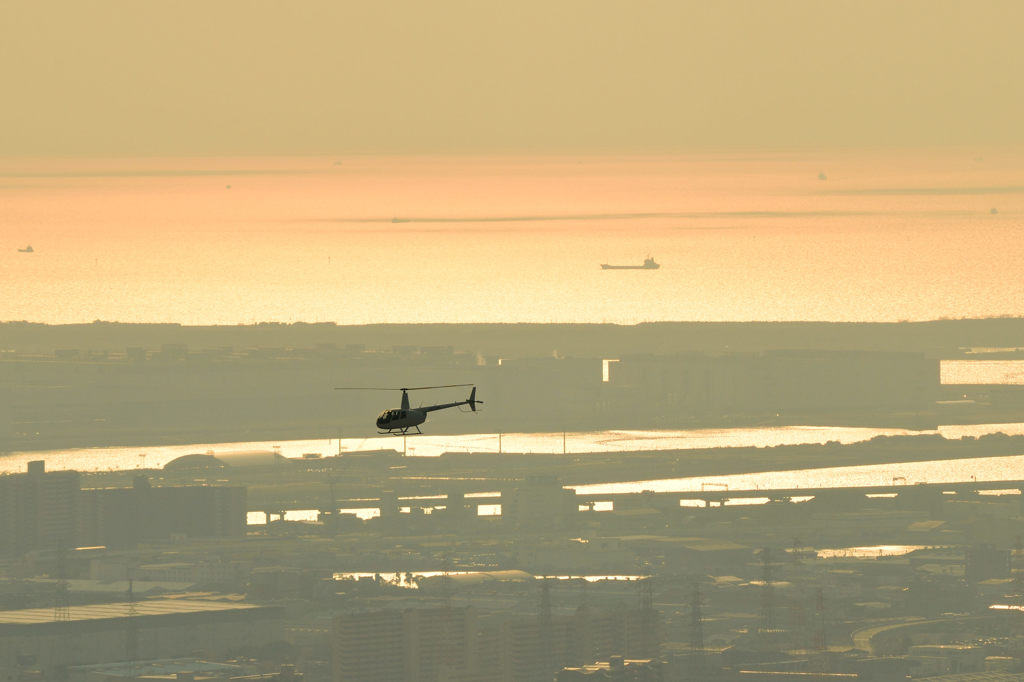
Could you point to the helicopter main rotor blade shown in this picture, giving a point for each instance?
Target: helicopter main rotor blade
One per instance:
(364, 388)
(411, 388)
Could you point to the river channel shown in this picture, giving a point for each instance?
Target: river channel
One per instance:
(154, 457)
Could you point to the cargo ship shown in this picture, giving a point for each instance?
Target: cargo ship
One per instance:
(648, 264)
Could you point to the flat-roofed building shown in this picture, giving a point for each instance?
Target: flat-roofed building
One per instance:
(539, 503)
(468, 644)
(122, 517)
(410, 645)
(49, 639)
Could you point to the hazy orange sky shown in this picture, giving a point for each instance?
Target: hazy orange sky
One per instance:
(123, 77)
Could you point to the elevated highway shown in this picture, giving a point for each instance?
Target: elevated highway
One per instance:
(720, 495)
(709, 496)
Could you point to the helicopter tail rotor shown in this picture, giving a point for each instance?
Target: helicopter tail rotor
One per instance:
(472, 400)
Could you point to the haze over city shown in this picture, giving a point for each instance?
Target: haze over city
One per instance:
(578, 76)
(676, 341)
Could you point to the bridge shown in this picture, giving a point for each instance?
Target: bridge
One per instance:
(719, 495)
(712, 495)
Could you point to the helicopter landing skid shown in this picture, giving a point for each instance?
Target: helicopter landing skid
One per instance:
(400, 432)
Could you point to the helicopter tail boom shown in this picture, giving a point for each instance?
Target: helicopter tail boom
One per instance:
(471, 401)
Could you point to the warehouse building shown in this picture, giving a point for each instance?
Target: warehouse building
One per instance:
(50, 640)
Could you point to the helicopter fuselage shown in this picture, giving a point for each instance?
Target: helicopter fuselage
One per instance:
(400, 419)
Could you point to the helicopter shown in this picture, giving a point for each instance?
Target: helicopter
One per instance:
(400, 420)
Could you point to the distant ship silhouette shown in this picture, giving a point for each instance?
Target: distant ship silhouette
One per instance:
(27, 249)
(648, 264)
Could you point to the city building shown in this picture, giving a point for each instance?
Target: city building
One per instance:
(434, 643)
(122, 517)
(38, 510)
(49, 639)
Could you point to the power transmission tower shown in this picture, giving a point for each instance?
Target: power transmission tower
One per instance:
(1017, 562)
(131, 631)
(819, 640)
(767, 597)
(648, 620)
(797, 553)
(447, 663)
(62, 613)
(696, 622)
(61, 604)
(799, 621)
(546, 626)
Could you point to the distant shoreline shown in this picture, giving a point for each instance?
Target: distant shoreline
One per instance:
(302, 323)
(942, 338)
(123, 384)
